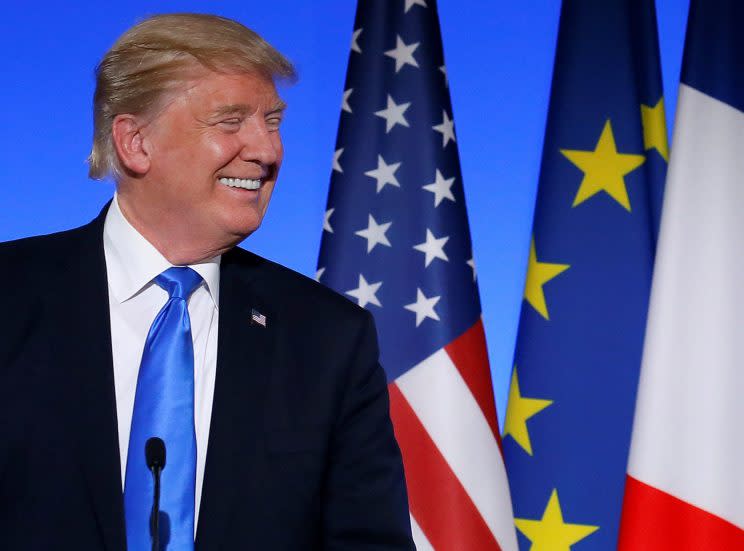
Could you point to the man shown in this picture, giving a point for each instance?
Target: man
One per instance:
(264, 386)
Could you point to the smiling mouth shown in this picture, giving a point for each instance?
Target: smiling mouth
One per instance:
(243, 183)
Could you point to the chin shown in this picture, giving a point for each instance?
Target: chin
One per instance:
(238, 232)
(240, 220)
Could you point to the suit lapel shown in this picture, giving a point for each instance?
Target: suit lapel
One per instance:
(246, 350)
(81, 345)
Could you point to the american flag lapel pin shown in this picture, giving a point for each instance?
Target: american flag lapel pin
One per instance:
(257, 318)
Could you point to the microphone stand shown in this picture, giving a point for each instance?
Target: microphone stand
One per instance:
(155, 515)
(155, 460)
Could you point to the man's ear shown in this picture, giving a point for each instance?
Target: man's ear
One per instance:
(126, 132)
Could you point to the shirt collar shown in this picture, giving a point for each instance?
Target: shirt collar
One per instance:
(132, 262)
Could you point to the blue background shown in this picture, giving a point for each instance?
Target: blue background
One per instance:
(499, 56)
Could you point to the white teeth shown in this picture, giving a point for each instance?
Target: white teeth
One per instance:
(243, 183)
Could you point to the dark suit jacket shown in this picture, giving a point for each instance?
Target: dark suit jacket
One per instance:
(301, 451)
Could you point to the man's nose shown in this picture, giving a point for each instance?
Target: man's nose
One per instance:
(259, 143)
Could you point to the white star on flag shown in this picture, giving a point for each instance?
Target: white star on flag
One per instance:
(443, 69)
(432, 248)
(441, 188)
(411, 3)
(423, 307)
(471, 263)
(384, 173)
(403, 53)
(375, 233)
(447, 128)
(393, 114)
(327, 221)
(366, 293)
(336, 157)
(345, 101)
(354, 44)
(319, 273)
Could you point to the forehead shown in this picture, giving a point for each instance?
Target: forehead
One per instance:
(212, 91)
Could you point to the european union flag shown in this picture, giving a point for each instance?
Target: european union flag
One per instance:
(578, 354)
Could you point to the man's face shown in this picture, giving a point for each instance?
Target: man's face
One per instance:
(215, 153)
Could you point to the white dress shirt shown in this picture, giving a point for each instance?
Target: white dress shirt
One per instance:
(135, 299)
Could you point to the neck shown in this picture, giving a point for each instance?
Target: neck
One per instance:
(178, 241)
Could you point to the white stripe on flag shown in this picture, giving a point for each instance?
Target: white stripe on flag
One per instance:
(422, 544)
(445, 406)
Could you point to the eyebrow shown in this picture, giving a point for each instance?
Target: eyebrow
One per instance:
(279, 106)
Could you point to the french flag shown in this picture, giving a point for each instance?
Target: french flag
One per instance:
(685, 489)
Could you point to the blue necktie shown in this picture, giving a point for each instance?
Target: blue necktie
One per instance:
(164, 407)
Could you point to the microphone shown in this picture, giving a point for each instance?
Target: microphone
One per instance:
(155, 458)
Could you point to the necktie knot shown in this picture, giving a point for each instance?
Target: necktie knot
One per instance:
(179, 281)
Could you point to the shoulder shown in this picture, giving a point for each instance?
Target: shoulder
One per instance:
(22, 258)
(297, 295)
(33, 272)
(39, 245)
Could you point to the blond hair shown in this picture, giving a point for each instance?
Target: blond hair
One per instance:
(155, 56)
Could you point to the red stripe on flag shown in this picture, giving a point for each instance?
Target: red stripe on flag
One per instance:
(468, 353)
(653, 519)
(437, 499)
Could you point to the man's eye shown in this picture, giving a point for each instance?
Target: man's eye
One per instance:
(231, 122)
(273, 122)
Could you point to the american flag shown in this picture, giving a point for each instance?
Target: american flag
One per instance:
(396, 241)
(258, 318)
